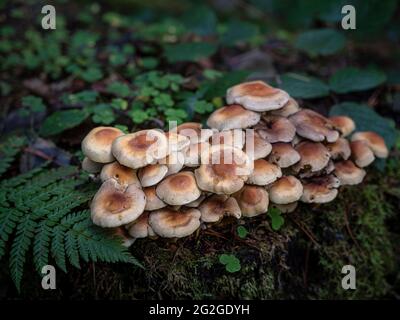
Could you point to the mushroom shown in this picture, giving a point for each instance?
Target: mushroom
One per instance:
(283, 155)
(197, 202)
(232, 117)
(285, 208)
(313, 126)
(348, 173)
(91, 166)
(122, 233)
(344, 124)
(320, 189)
(174, 162)
(361, 153)
(153, 202)
(124, 175)
(140, 228)
(141, 148)
(176, 142)
(115, 205)
(285, 190)
(234, 138)
(194, 132)
(287, 110)
(192, 154)
(224, 170)
(374, 141)
(340, 149)
(252, 200)
(257, 96)
(178, 189)
(97, 144)
(169, 223)
(256, 147)
(313, 157)
(152, 174)
(214, 208)
(276, 129)
(264, 173)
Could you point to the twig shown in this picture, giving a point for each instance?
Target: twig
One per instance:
(307, 232)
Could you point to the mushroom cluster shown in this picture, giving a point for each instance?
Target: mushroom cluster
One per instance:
(260, 150)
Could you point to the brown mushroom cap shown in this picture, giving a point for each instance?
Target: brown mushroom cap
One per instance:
(197, 202)
(178, 189)
(287, 110)
(176, 142)
(141, 148)
(313, 126)
(276, 129)
(97, 144)
(234, 138)
(153, 202)
(123, 234)
(115, 205)
(285, 208)
(340, 149)
(361, 153)
(264, 173)
(224, 170)
(124, 175)
(91, 166)
(256, 147)
(257, 96)
(313, 156)
(140, 228)
(285, 190)
(194, 132)
(344, 124)
(348, 173)
(174, 162)
(232, 117)
(214, 208)
(283, 155)
(169, 223)
(374, 141)
(252, 200)
(193, 153)
(320, 189)
(152, 174)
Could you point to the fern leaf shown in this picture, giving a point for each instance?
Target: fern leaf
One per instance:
(8, 221)
(41, 245)
(57, 247)
(71, 248)
(8, 150)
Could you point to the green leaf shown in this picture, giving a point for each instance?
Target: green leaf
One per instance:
(353, 79)
(190, 51)
(277, 220)
(119, 89)
(201, 21)
(242, 232)
(320, 42)
(60, 121)
(232, 264)
(218, 87)
(239, 31)
(91, 74)
(301, 86)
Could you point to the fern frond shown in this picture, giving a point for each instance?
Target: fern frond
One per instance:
(9, 148)
(9, 217)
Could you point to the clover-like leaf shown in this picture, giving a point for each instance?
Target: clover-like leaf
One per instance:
(277, 220)
(242, 232)
(231, 262)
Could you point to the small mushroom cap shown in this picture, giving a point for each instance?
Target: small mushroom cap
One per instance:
(256, 147)
(276, 129)
(348, 173)
(193, 153)
(91, 166)
(123, 234)
(287, 110)
(344, 124)
(152, 174)
(320, 189)
(169, 223)
(153, 202)
(214, 208)
(124, 175)
(224, 170)
(97, 144)
(141, 148)
(232, 117)
(313, 126)
(194, 132)
(178, 189)
(313, 156)
(374, 141)
(234, 138)
(340, 149)
(174, 162)
(330, 167)
(283, 155)
(285, 208)
(361, 153)
(140, 228)
(264, 173)
(176, 142)
(115, 205)
(197, 202)
(257, 96)
(285, 190)
(252, 200)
